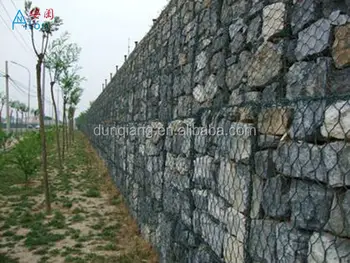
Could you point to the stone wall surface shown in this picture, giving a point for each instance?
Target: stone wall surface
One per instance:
(255, 162)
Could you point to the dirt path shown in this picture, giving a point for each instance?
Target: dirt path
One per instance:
(89, 222)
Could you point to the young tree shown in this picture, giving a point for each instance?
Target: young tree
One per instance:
(47, 28)
(70, 79)
(60, 56)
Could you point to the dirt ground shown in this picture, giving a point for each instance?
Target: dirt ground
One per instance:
(89, 220)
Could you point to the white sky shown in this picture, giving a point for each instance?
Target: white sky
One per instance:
(101, 28)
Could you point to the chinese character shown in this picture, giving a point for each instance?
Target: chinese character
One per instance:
(19, 19)
(35, 13)
(49, 13)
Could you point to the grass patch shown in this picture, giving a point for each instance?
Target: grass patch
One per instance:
(78, 218)
(92, 192)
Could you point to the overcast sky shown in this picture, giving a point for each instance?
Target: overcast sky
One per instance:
(101, 28)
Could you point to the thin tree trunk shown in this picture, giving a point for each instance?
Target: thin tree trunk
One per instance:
(43, 138)
(63, 131)
(57, 129)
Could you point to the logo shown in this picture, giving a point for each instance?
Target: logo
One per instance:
(34, 15)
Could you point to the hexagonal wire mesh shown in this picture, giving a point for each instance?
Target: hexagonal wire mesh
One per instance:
(227, 131)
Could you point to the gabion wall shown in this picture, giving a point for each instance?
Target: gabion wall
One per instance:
(277, 73)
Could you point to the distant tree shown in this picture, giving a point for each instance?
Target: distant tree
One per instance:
(69, 81)
(61, 55)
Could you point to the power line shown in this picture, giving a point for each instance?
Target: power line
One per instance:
(8, 15)
(17, 86)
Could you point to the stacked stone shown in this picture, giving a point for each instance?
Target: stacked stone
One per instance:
(272, 69)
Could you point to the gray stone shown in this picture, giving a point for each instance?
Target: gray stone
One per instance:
(212, 233)
(307, 79)
(310, 205)
(200, 198)
(264, 165)
(337, 121)
(307, 119)
(254, 30)
(276, 197)
(324, 247)
(271, 93)
(236, 27)
(266, 65)
(202, 255)
(233, 249)
(301, 160)
(203, 171)
(314, 39)
(339, 220)
(153, 149)
(200, 143)
(263, 241)
(304, 12)
(216, 206)
(201, 61)
(183, 165)
(338, 19)
(233, 184)
(339, 82)
(235, 223)
(292, 245)
(274, 17)
(241, 136)
(336, 157)
(236, 72)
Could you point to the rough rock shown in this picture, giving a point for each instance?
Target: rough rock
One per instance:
(300, 160)
(324, 247)
(233, 250)
(310, 205)
(274, 17)
(212, 233)
(233, 184)
(235, 73)
(241, 135)
(264, 165)
(341, 46)
(307, 119)
(265, 66)
(206, 93)
(303, 13)
(263, 241)
(203, 171)
(235, 223)
(337, 162)
(314, 39)
(275, 201)
(254, 30)
(338, 19)
(339, 220)
(292, 245)
(274, 121)
(307, 79)
(337, 121)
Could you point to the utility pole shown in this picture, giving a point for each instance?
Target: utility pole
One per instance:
(8, 125)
